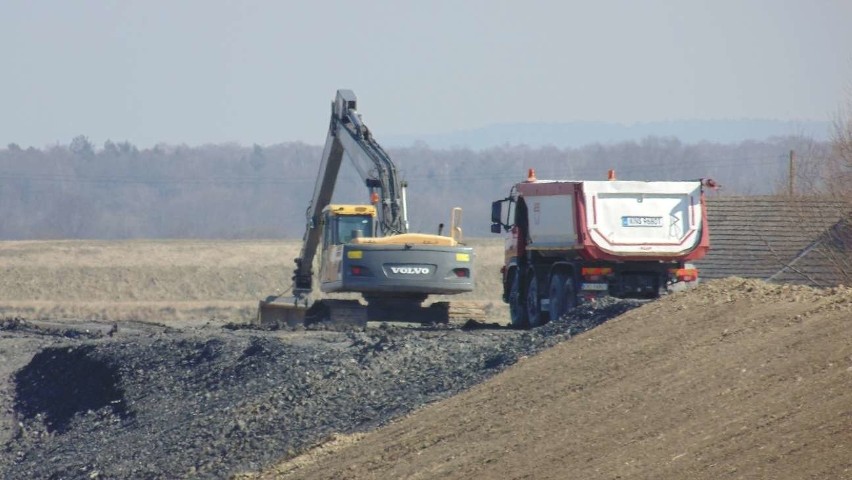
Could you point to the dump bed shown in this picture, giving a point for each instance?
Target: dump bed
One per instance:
(615, 220)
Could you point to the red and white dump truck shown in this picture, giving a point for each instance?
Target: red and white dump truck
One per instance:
(571, 241)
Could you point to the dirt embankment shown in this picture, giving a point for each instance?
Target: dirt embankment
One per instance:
(737, 379)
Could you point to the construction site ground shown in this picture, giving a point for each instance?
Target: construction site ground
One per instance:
(132, 360)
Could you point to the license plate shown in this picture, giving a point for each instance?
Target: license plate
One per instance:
(598, 287)
(641, 221)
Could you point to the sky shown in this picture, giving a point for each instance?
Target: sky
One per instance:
(264, 72)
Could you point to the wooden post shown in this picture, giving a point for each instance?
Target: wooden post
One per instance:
(792, 171)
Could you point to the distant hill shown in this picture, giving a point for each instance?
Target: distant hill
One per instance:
(577, 134)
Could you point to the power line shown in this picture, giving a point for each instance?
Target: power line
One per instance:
(581, 173)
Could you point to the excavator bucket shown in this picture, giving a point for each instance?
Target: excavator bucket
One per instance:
(282, 312)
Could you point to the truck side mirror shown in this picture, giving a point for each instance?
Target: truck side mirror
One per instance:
(496, 227)
(496, 213)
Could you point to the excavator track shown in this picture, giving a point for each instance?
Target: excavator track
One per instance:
(325, 314)
(343, 315)
(329, 314)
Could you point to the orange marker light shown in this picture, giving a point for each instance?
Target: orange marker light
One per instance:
(374, 198)
(610, 175)
(685, 274)
(531, 175)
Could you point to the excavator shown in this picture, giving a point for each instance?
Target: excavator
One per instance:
(367, 249)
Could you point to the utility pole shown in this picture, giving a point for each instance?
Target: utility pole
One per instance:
(790, 174)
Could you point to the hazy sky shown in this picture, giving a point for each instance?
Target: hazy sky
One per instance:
(264, 72)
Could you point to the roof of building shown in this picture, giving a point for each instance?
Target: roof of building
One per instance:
(801, 240)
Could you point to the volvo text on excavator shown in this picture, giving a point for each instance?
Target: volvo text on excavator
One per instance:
(368, 249)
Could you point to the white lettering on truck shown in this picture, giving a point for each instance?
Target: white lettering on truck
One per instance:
(411, 270)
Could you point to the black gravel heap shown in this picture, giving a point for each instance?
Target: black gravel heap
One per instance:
(20, 325)
(213, 402)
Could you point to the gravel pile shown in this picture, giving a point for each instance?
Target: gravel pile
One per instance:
(19, 325)
(211, 402)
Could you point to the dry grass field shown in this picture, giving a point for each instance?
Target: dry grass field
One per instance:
(173, 281)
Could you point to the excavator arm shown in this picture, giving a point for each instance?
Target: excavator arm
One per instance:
(348, 134)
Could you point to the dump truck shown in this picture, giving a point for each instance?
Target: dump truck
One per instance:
(573, 241)
(368, 249)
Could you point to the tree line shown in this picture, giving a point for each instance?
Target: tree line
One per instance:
(229, 191)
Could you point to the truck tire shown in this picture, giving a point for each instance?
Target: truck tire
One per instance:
(535, 317)
(517, 311)
(563, 298)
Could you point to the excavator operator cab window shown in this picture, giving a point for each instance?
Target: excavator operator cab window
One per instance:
(351, 226)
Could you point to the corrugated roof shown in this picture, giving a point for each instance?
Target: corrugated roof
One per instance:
(781, 239)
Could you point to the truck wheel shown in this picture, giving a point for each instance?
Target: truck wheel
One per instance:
(516, 309)
(558, 298)
(568, 296)
(535, 317)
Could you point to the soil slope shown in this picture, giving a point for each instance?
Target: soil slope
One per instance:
(735, 379)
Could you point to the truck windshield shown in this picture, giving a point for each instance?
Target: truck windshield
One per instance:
(350, 226)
